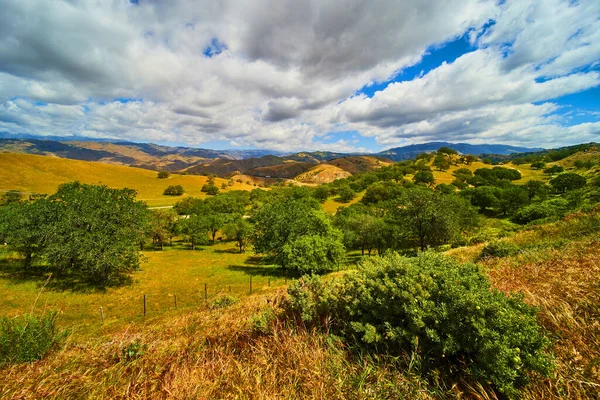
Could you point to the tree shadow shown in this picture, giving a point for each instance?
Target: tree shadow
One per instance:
(265, 271)
(14, 271)
(232, 250)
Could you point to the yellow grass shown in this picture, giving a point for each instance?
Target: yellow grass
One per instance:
(330, 205)
(43, 174)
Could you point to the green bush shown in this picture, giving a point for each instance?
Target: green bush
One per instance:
(435, 308)
(174, 190)
(223, 301)
(538, 211)
(499, 249)
(28, 338)
(163, 174)
(262, 323)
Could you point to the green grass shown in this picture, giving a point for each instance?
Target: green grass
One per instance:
(173, 271)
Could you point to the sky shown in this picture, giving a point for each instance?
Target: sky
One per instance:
(302, 74)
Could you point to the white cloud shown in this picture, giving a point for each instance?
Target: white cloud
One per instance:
(288, 69)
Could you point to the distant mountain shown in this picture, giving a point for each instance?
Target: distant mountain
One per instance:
(410, 151)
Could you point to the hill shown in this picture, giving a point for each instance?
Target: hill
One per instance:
(42, 174)
(406, 152)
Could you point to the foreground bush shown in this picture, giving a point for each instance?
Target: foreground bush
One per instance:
(27, 338)
(444, 313)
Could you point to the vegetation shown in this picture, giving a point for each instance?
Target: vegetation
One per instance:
(370, 330)
(28, 338)
(174, 190)
(442, 312)
(88, 231)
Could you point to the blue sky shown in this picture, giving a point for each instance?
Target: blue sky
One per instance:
(303, 75)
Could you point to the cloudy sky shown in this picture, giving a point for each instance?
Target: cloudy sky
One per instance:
(302, 74)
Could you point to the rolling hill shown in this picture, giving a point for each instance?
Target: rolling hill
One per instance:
(42, 174)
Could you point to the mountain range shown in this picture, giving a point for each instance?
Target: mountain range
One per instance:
(264, 163)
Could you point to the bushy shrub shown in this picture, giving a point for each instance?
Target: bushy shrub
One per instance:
(262, 322)
(555, 169)
(499, 248)
(174, 190)
(163, 174)
(538, 211)
(444, 312)
(223, 301)
(28, 338)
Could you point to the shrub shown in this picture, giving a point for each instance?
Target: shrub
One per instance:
(28, 338)
(555, 169)
(132, 351)
(538, 165)
(174, 190)
(163, 174)
(442, 311)
(499, 249)
(223, 301)
(262, 323)
(543, 210)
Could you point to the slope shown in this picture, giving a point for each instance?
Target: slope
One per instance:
(43, 174)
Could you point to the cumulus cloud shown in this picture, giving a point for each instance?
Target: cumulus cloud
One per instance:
(282, 74)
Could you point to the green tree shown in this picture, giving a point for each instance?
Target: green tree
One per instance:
(195, 230)
(536, 188)
(568, 181)
(161, 225)
(321, 193)
(484, 197)
(424, 177)
(240, 231)
(447, 150)
(511, 198)
(27, 227)
(538, 165)
(441, 163)
(427, 218)
(555, 169)
(314, 253)
(174, 190)
(12, 196)
(470, 159)
(282, 220)
(163, 174)
(95, 231)
(345, 194)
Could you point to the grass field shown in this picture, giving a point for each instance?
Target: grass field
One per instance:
(42, 174)
(173, 271)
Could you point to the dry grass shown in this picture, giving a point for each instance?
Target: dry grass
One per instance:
(331, 205)
(562, 278)
(208, 355)
(43, 174)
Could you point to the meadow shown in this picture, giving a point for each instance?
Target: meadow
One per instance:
(175, 271)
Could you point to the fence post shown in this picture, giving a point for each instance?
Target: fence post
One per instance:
(102, 313)
(205, 293)
(144, 305)
(250, 284)
(175, 300)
